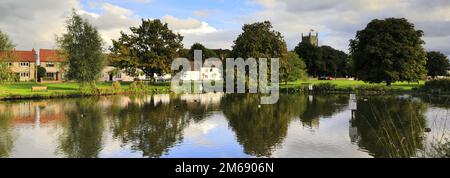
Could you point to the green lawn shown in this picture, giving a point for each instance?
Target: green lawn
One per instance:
(342, 83)
(23, 89)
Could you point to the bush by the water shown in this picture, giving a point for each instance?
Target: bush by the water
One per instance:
(323, 87)
(375, 88)
(443, 85)
(116, 85)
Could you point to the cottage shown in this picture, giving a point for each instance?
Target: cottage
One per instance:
(52, 61)
(22, 63)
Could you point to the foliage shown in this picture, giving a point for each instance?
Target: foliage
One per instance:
(5, 42)
(324, 60)
(207, 53)
(437, 64)
(441, 84)
(259, 40)
(116, 86)
(151, 47)
(292, 68)
(6, 75)
(41, 71)
(82, 47)
(325, 87)
(389, 50)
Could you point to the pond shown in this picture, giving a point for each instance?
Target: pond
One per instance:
(217, 125)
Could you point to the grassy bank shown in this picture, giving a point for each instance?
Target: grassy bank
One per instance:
(22, 90)
(342, 85)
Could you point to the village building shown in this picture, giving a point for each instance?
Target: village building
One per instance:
(52, 61)
(22, 63)
(112, 74)
(207, 73)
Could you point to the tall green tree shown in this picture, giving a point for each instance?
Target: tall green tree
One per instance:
(82, 48)
(292, 68)
(259, 40)
(6, 45)
(312, 55)
(207, 53)
(5, 42)
(324, 60)
(437, 64)
(389, 50)
(151, 47)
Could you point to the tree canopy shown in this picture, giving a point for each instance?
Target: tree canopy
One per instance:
(437, 64)
(151, 47)
(389, 50)
(5, 71)
(82, 49)
(5, 42)
(324, 60)
(259, 40)
(292, 68)
(207, 53)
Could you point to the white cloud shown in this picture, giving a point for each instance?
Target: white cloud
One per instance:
(111, 20)
(34, 23)
(338, 21)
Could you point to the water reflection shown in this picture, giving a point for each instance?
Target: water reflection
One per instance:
(390, 126)
(83, 130)
(217, 125)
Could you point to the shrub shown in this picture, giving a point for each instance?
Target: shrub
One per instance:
(133, 86)
(441, 84)
(325, 87)
(116, 85)
(372, 88)
(89, 88)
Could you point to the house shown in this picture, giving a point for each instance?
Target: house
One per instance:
(52, 61)
(22, 63)
(111, 73)
(205, 73)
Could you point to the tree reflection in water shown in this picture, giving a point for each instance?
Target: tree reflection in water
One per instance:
(154, 126)
(83, 130)
(390, 126)
(6, 137)
(321, 106)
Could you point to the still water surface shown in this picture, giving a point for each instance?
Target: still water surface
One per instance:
(218, 125)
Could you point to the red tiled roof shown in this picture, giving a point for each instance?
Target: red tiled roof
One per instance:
(49, 55)
(19, 56)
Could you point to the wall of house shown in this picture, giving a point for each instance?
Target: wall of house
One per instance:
(57, 68)
(30, 69)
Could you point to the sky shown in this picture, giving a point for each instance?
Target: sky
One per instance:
(217, 23)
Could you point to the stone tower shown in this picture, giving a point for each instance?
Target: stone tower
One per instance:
(311, 39)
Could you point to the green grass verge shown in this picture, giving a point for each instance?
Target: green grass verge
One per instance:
(23, 89)
(352, 84)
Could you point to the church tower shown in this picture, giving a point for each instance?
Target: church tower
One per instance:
(311, 39)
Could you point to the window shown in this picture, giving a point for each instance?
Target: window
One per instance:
(24, 74)
(50, 64)
(50, 75)
(119, 75)
(24, 64)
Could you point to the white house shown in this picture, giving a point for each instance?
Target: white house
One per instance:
(108, 75)
(205, 73)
